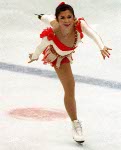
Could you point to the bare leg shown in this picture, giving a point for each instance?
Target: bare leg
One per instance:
(66, 77)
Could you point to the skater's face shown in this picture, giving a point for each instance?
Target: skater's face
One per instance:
(66, 19)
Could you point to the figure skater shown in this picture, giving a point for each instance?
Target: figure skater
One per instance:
(59, 42)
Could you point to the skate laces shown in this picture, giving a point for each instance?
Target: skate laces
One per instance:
(77, 131)
(77, 125)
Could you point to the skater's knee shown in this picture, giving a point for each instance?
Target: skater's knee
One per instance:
(70, 84)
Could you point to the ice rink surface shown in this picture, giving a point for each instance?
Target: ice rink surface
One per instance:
(32, 113)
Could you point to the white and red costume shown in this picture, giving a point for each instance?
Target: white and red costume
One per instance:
(55, 52)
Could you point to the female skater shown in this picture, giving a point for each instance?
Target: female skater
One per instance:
(58, 44)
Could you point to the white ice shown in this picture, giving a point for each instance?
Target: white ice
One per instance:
(23, 85)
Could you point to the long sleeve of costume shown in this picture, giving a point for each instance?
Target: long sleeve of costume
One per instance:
(47, 18)
(40, 48)
(92, 34)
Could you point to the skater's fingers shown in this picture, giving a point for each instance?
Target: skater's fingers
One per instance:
(29, 61)
(32, 60)
(109, 48)
(105, 53)
(30, 56)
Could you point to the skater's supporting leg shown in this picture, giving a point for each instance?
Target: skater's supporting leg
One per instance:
(66, 77)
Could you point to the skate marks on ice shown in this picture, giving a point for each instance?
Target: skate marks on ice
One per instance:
(41, 114)
(52, 74)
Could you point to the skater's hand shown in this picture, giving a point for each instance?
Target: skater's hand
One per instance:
(105, 52)
(31, 60)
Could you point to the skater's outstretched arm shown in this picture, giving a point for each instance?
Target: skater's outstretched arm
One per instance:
(96, 38)
(40, 48)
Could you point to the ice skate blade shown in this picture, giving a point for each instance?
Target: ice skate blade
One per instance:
(80, 142)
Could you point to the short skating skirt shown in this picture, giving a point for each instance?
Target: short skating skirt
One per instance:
(55, 60)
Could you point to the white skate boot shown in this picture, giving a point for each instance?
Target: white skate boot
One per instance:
(77, 131)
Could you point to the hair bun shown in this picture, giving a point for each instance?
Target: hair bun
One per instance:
(62, 3)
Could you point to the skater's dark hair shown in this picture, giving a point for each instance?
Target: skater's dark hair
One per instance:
(63, 7)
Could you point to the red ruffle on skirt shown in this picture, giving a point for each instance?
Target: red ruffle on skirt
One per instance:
(65, 60)
(52, 58)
